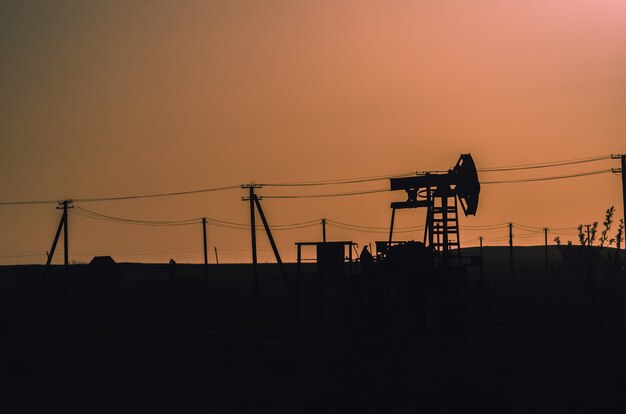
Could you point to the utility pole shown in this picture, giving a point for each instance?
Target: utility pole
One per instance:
(66, 249)
(206, 257)
(393, 218)
(324, 230)
(217, 262)
(482, 262)
(622, 170)
(255, 270)
(63, 205)
(511, 249)
(271, 239)
(66, 246)
(545, 240)
(254, 202)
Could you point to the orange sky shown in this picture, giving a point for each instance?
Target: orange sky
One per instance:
(116, 98)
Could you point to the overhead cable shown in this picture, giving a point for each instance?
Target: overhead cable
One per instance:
(92, 214)
(29, 202)
(118, 198)
(557, 177)
(340, 181)
(381, 190)
(194, 221)
(177, 193)
(545, 164)
(345, 181)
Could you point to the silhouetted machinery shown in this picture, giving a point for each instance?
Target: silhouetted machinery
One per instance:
(440, 194)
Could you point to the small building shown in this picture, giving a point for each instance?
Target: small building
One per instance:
(331, 256)
(104, 272)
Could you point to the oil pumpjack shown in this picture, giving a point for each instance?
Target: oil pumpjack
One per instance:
(440, 194)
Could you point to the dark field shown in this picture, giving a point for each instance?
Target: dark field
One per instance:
(146, 338)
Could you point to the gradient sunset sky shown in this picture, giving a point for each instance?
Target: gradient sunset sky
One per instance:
(108, 98)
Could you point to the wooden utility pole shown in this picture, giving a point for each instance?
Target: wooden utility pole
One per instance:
(255, 270)
(254, 202)
(63, 205)
(63, 224)
(545, 240)
(267, 230)
(66, 249)
(66, 245)
(56, 239)
(217, 262)
(324, 230)
(253, 239)
(511, 249)
(206, 257)
(622, 170)
(393, 217)
(295, 295)
(482, 262)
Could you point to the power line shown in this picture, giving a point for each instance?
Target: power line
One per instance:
(298, 225)
(557, 177)
(29, 202)
(177, 193)
(416, 173)
(99, 216)
(407, 229)
(221, 223)
(531, 229)
(118, 198)
(372, 231)
(340, 180)
(544, 165)
(140, 253)
(485, 226)
(381, 190)
(22, 255)
(373, 227)
(343, 181)
(540, 229)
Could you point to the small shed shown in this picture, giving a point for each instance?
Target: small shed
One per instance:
(331, 256)
(104, 272)
(102, 262)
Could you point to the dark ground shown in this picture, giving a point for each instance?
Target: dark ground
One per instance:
(156, 338)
